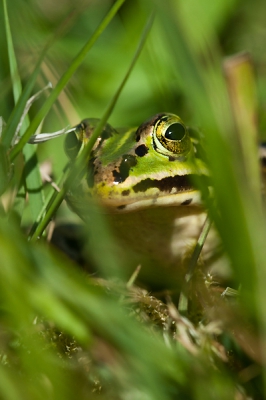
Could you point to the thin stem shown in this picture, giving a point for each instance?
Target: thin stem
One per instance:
(183, 300)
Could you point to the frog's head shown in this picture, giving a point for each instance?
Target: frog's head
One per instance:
(154, 165)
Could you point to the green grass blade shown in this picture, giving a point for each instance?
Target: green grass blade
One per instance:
(32, 174)
(183, 299)
(16, 83)
(65, 78)
(17, 111)
(74, 173)
(240, 78)
(7, 388)
(50, 198)
(4, 170)
(33, 181)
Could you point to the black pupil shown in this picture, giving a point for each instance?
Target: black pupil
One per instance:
(175, 132)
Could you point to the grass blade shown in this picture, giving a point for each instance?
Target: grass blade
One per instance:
(32, 174)
(240, 79)
(183, 299)
(16, 83)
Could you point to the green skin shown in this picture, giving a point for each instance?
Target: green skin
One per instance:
(145, 181)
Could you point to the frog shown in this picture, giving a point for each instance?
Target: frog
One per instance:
(148, 182)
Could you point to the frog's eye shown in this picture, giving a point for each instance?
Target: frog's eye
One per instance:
(72, 145)
(175, 132)
(170, 136)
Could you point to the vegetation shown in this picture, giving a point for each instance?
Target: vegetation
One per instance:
(65, 333)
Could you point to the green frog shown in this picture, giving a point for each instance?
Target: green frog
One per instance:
(146, 180)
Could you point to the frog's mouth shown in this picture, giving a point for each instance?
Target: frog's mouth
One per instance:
(181, 190)
(188, 198)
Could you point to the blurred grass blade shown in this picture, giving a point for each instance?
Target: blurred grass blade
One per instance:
(203, 82)
(241, 85)
(34, 186)
(31, 171)
(16, 84)
(5, 170)
(7, 388)
(24, 116)
(75, 173)
(50, 198)
(242, 89)
(64, 79)
(18, 110)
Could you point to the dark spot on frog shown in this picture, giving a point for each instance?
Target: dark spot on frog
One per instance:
(181, 183)
(186, 202)
(262, 149)
(117, 177)
(125, 192)
(137, 137)
(171, 158)
(128, 161)
(263, 161)
(141, 150)
(121, 207)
